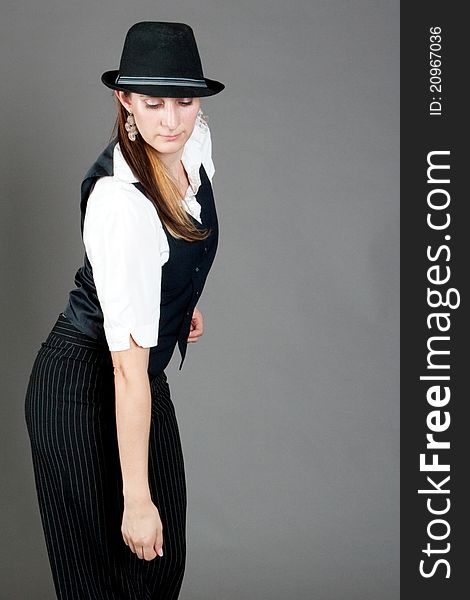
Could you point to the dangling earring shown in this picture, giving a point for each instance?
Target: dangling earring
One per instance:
(201, 120)
(131, 127)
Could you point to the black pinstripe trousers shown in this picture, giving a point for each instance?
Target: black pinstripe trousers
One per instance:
(70, 417)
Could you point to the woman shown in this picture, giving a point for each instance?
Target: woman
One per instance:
(106, 450)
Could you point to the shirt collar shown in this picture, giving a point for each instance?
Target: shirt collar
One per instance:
(191, 158)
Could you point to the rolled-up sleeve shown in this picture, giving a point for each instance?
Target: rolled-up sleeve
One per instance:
(126, 247)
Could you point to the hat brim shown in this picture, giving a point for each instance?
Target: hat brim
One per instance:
(164, 91)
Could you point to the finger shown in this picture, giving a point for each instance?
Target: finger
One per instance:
(195, 334)
(159, 545)
(198, 326)
(197, 315)
(149, 553)
(197, 323)
(132, 547)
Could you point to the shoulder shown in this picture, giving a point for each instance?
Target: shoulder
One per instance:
(110, 189)
(112, 196)
(119, 216)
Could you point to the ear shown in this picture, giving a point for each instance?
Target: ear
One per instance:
(123, 99)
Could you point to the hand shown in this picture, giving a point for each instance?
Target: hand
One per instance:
(142, 529)
(196, 327)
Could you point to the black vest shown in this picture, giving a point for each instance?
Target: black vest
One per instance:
(183, 275)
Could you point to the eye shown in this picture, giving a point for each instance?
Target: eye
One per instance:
(154, 106)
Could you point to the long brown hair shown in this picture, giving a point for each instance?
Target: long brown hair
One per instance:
(156, 180)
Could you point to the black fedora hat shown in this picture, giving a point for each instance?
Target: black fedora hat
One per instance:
(161, 59)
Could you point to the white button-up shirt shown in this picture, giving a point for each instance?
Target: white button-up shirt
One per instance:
(127, 245)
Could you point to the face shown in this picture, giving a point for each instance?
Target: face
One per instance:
(164, 123)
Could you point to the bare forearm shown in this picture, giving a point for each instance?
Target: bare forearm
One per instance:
(133, 413)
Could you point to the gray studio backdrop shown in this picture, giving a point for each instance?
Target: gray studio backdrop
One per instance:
(289, 404)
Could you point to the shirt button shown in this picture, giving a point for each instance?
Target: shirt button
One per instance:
(196, 269)
(187, 313)
(205, 248)
(197, 292)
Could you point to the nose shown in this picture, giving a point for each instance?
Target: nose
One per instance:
(170, 116)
